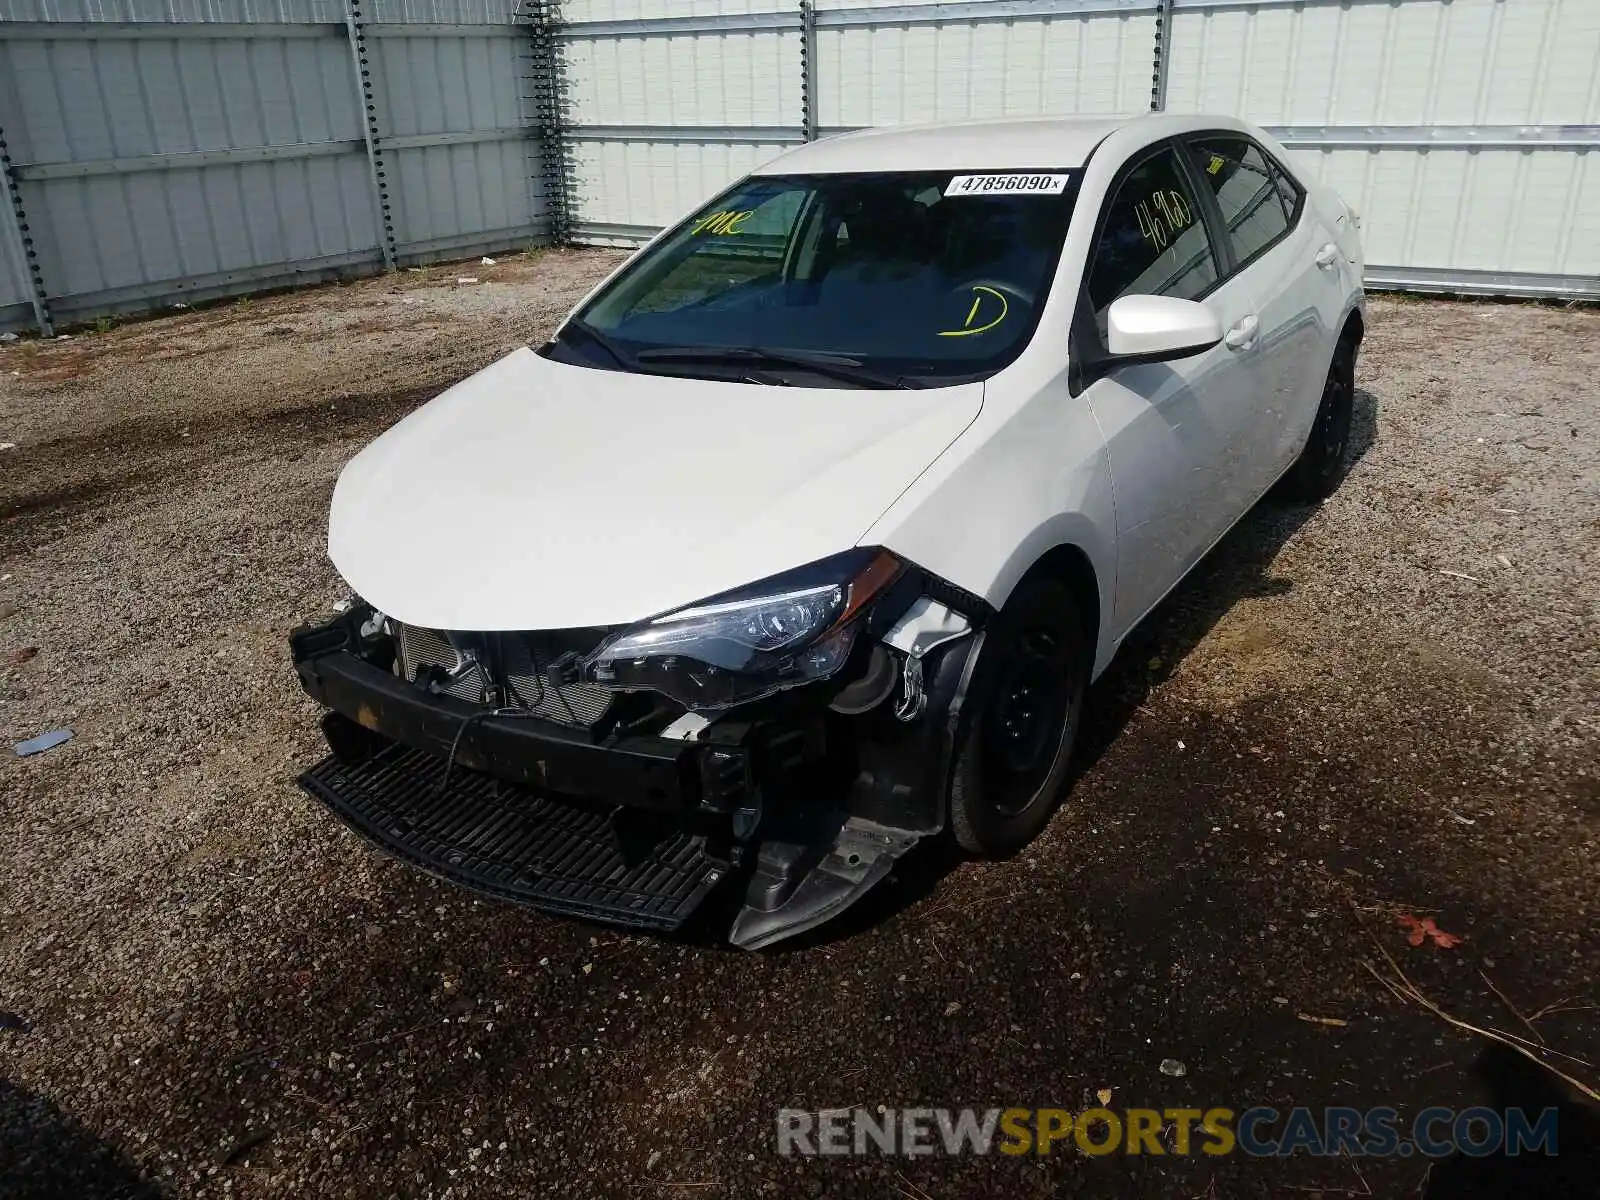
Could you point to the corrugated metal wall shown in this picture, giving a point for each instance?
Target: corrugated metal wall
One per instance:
(1466, 131)
(663, 110)
(166, 150)
(889, 64)
(16, 308)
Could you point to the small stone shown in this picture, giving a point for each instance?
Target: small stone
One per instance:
(952, 1008)
(1174, 1068)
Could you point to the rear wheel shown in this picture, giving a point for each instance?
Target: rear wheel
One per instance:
(1018, 742)
(1326, 458)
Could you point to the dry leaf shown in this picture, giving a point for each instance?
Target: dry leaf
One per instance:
(1424, 929)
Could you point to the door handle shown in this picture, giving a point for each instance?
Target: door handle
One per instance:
(1243, 334)
(1328, 256)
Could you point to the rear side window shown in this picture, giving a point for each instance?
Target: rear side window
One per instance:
(1257, 200)
(1153, 242)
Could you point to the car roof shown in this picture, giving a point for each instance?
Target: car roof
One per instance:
(992, 145)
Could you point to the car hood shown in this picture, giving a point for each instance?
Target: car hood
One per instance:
(539, 495)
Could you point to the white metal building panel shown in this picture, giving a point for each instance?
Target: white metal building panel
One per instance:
(738, 78)
(1461, 62)
(892, 74)
(15, 292)
(654, 183)
(1413, 104)
(1511, 211)
(573, 11)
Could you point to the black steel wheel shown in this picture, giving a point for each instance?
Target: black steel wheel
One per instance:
(1323, 463)
(1028, 697)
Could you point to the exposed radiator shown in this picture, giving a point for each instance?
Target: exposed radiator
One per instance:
(523, 662)
(570, 703)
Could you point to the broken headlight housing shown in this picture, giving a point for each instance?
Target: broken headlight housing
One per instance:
(744, 645)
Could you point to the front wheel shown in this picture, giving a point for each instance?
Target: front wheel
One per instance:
(1018, 742)
(1326, 458)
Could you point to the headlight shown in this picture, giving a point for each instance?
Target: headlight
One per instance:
(794, 628)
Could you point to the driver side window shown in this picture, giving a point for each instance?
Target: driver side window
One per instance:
(1153, 241)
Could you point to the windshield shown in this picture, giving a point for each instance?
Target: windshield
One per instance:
(906, 278)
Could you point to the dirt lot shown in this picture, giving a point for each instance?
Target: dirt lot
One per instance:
(1387, 705)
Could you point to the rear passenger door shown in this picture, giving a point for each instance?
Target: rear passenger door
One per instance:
(1274, 272)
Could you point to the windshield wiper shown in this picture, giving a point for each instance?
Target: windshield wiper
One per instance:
(834, 366)
(599, 339)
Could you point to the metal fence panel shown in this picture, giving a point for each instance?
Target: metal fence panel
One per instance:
(580, 11)
(629, 188)
(421, 12)
(699, 79)
(1420, 62)
(192, 148)
(16, 308)
(148, 161)
(1464, 130)
(185, 149)
(454, 136)
(443, 12)
(1087, 58)
(1473, 214)
(660, 121)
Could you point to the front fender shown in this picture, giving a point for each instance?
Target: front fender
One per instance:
(1015, 486)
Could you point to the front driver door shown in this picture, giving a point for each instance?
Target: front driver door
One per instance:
(1178, 433)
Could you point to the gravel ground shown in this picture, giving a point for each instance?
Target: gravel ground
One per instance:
(1388, 704)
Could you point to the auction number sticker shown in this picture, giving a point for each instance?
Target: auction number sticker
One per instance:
(1007, 185)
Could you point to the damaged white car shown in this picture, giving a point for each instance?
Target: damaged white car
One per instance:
(802, 539)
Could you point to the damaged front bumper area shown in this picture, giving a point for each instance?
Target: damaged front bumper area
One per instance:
(795, 806)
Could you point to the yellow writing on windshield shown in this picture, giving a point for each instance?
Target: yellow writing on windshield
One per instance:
(722, 222)
(968, 327)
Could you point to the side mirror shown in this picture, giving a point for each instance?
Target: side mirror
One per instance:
(1155, 328)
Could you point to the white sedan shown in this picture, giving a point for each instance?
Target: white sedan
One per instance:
(804, 537)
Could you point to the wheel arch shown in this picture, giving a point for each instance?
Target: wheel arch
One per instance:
(1354, 328)
(1070, 563)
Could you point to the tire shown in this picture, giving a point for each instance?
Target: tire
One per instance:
(1018, 740)
(1325, 460)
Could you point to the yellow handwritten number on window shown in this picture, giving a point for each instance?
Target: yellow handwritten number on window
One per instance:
(1162, 216)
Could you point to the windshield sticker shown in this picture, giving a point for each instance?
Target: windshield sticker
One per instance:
(722, 222)
(1006, 185)
(968, 328)
(1162, 216)
(1216, 164)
